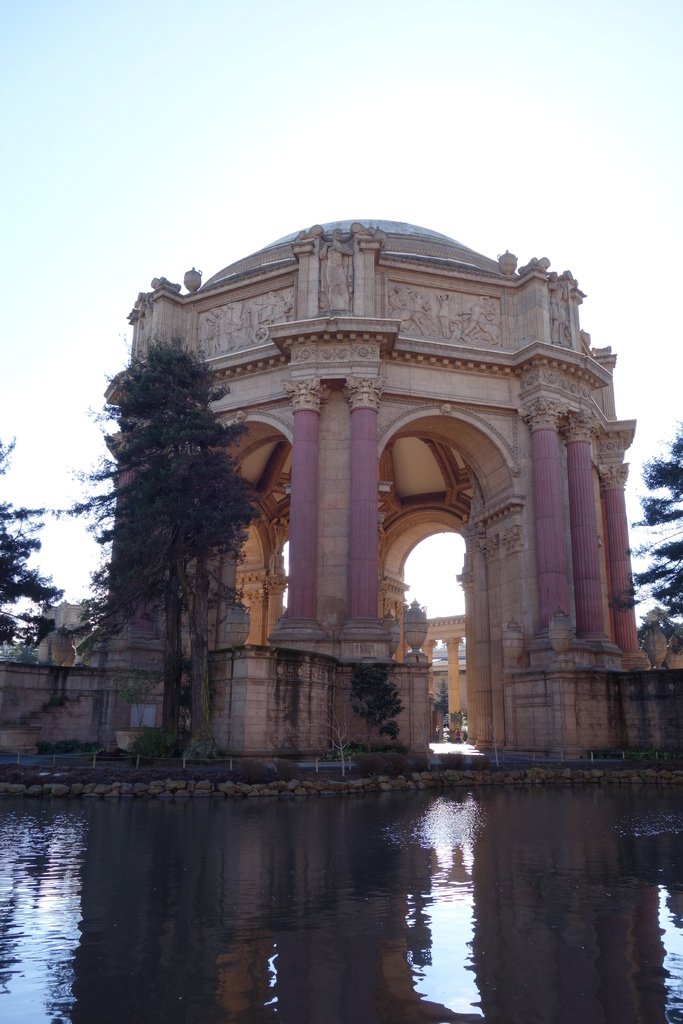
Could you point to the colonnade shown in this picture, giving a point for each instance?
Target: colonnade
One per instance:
(549, 427)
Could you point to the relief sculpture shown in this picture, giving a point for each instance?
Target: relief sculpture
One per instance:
(446, 316)
(244, 323)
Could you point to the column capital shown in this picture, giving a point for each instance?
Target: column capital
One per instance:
(541, 414)
(579, 425)
(306, 394)
(613, 476)
(364, 392)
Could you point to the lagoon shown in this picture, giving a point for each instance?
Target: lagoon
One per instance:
(501, 905)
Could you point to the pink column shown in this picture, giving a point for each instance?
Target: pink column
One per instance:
(583, 523)
(364, 396)
(613, 481)
(306, 397)
(542, 417)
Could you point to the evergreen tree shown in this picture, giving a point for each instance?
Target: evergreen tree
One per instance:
(375, 699)
(19, 582)
(663, 512)
(166, 507)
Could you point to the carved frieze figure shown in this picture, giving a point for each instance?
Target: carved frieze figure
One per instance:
(446, 316)
(244, 323)
(336, 271)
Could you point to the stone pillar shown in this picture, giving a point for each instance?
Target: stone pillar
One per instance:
(542, 418)
(364, 397)
(455, 702)
(612, 483)
(583, 525)
(306, 397)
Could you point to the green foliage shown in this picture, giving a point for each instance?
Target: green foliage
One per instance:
(18, 582)
(375, 699)
(153, 743)
(663, 514)
(20, 653)
(452, 761)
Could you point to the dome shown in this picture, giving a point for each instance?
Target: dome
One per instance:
(405, 240)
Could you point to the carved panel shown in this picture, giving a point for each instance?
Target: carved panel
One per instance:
(446, 316)
(244, 323)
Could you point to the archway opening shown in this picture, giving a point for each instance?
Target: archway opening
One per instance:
(431, 572)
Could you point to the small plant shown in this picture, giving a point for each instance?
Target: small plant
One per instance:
(452, 761)
(375, 699)
(419, 761)
(68, 747)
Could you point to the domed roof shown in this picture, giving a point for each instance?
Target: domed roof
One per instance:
(407, 240)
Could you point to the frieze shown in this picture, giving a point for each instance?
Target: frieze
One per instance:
(446, 316)
(244, 323)
(335, 354)
(554, 379)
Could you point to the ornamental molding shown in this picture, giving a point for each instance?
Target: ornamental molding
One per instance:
(513, 539)
(557, 380)
(336, 354)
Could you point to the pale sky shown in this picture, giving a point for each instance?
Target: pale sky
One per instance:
(144, 138)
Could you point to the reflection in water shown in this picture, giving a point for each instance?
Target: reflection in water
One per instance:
(39, 912)
(502, 906)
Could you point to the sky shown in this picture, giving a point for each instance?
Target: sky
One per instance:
(143, 138)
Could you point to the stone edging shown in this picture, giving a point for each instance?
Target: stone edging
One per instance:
(182, 789)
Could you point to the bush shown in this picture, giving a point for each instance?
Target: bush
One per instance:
(153, 743)
(369, 764)
(286, 770)
(419, 760)
(253, 770)
(396, 764)
(452, 761)
(68, 747)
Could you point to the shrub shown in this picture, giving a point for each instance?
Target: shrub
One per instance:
(153, 743)
(369, 764)
(419, 760)
(396, 764)
(451, 761)
(286, 770)
(254, 770)
(68, 747)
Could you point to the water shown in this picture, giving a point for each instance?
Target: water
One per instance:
(497, 906)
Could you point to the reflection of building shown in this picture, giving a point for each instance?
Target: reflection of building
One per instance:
(395, 384)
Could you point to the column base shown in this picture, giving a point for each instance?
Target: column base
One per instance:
(297, 633)
(365, 639)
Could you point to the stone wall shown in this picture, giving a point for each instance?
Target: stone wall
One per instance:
(68, 703)
(559, 712)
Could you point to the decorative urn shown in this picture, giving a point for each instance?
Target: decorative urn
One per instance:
(507, 263)
(193, 280)
(415, 629)
(235, 626)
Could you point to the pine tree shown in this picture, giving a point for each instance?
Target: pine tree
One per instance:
(172, 504)
(663, 512)
(19, 582)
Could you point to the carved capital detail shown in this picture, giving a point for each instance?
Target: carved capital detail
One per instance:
(579, 426)
(306, 394)
(541, 414)
(512, 538)
(364, 392)
(613, 477)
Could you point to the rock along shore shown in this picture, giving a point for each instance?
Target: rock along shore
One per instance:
(184, 789)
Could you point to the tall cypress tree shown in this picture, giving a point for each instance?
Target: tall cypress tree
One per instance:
(166, 506)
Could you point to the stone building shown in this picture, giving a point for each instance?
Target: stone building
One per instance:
(396, 384)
